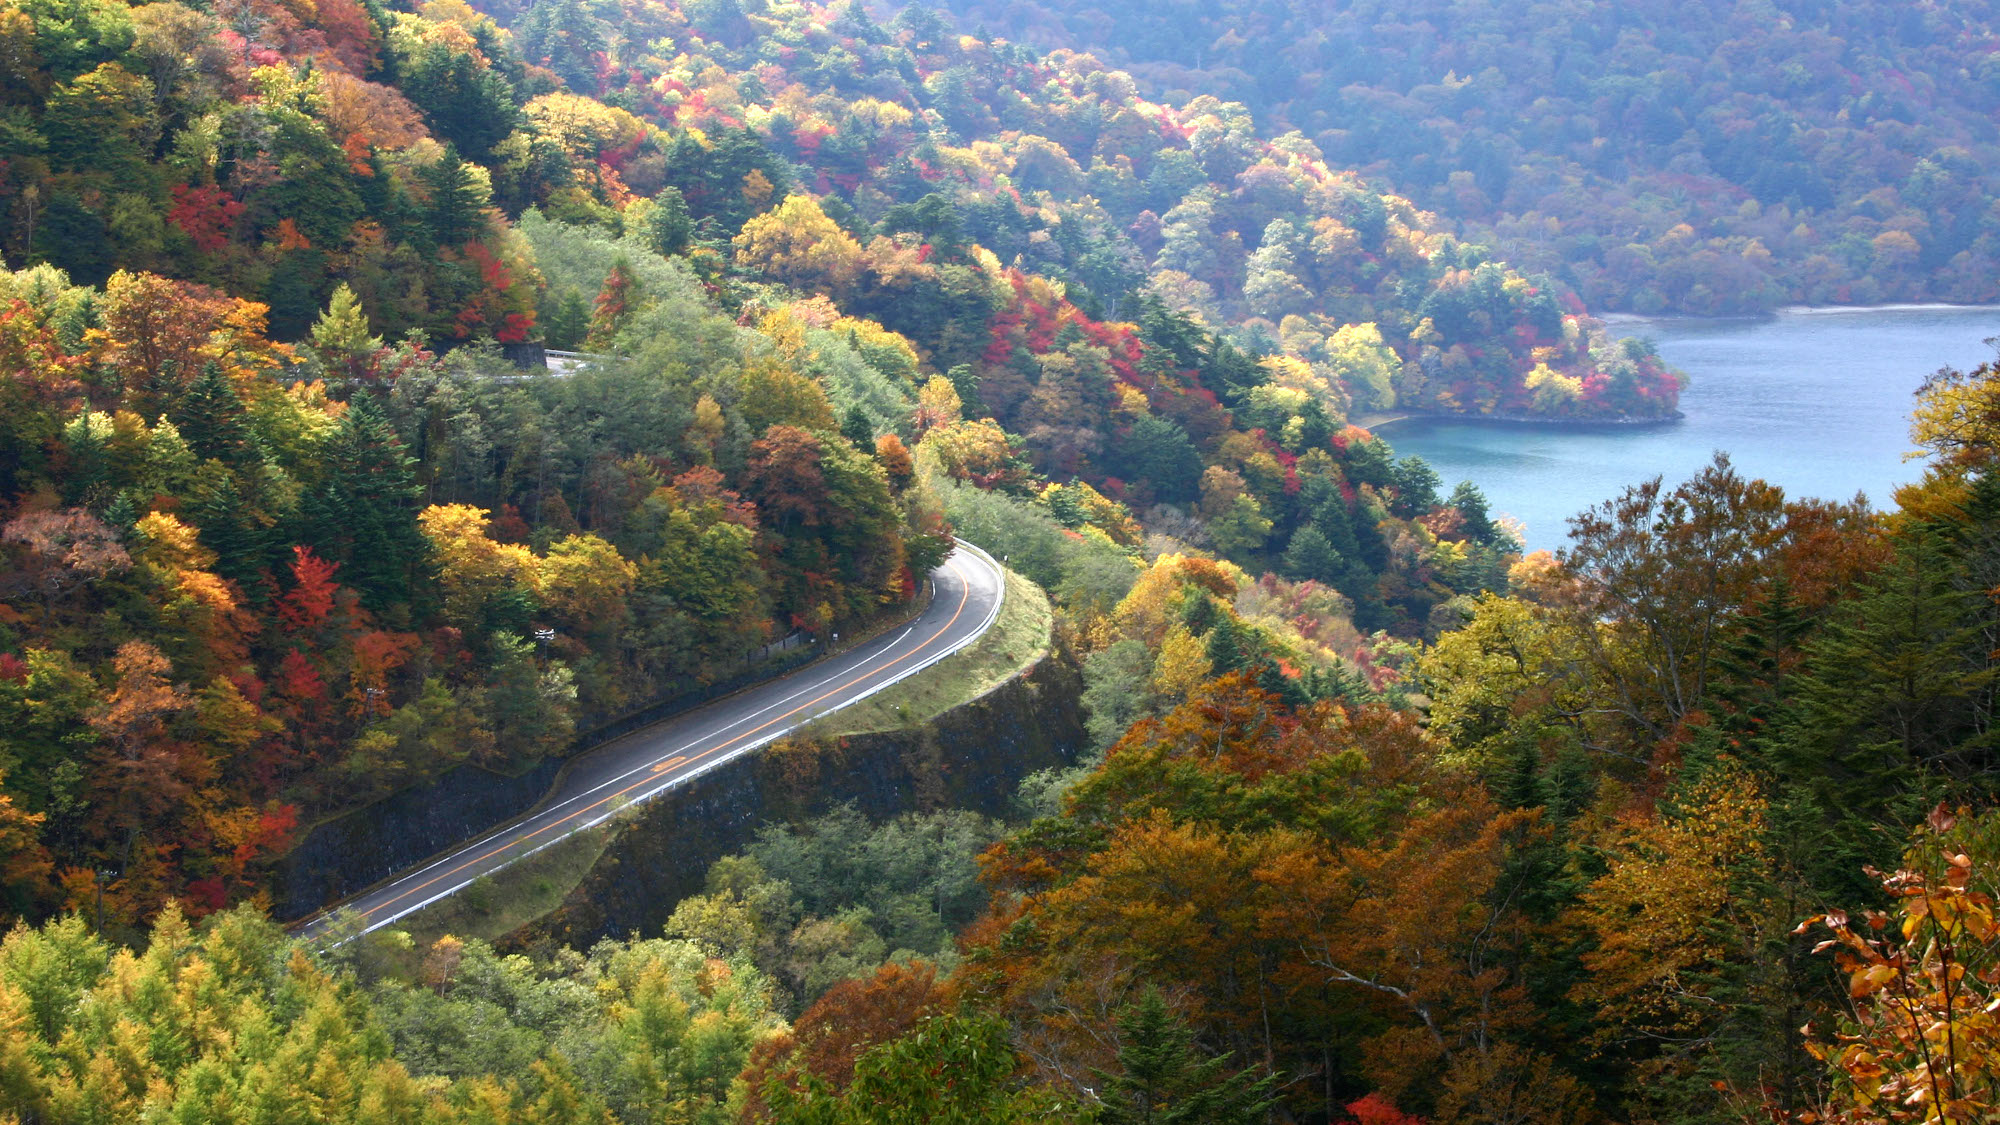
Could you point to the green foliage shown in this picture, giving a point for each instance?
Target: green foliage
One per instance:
(669, 225)
(1163, 1080)
(363, 512)
(1158, 455)
(623, 1032)
(955, 1068)
(837, 897)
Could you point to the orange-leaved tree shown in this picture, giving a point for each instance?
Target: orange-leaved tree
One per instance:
(1921, 1041)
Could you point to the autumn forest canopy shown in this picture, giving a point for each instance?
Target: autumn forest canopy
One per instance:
(1379, 819)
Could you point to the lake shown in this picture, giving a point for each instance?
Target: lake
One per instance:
(1816, 401)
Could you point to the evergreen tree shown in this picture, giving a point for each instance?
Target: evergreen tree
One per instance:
(562, 36)
(1225, 647)
(1199, 615)
(1315, 428)
(1172, 339)
(230, 528)
(1471, 505)
(1367, 462)
(469, 107)
(1333, 517)
(1753, 679)
(1901, 675)
(566, 321)
(362, 516)
(670, 226)
(457, 210)
(1340, 684)
(76, 239)
(1894, 703)
(88, 467)
(315, 187)
(1311, 556)
(212, 419)
(1165, 1080)
(1272, 679)
(1416, 487)
(1159, 454)
(965, 381)
(858, 429)
(1065, 507)
(1233, 373)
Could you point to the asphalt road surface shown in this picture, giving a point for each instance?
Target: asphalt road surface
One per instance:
(647, 762)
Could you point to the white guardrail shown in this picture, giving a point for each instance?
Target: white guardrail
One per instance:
(999, 598)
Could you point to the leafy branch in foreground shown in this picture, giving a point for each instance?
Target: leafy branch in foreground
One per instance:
(1922, 1042)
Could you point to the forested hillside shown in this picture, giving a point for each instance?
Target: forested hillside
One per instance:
(917, 162)
(285, 533)
(1381, 822)
(1644, 852)
(1717, 157)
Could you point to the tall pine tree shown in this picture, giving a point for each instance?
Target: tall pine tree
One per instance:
(363, 513)
(1166, 1080)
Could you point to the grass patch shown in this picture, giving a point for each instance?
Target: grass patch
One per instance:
(498, 904)
(1019, 637)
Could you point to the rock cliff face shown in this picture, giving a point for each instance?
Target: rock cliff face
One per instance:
(972, 757)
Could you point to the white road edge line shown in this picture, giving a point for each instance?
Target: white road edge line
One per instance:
(858, 666)
(993, 614)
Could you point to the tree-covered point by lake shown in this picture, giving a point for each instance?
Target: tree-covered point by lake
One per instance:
(1817, 401)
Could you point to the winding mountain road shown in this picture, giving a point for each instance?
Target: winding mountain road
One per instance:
(648, 762)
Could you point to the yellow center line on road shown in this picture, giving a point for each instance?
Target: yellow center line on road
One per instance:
(670, 763)
(963, 598)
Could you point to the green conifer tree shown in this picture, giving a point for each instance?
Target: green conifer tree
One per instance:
(566, 321)
(670, 226)
(341, 334)
(457, 210)
(363, 513)
(1310, 555)
(1165, 1080)
(856, 427)
(212, 419)
(1225, 648)
(229, 526)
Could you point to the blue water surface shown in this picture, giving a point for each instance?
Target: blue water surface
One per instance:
(1816, 401)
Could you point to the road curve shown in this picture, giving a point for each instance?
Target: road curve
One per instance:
(647, 762)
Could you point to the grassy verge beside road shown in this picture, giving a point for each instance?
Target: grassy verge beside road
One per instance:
(514, 896)
(1019, 637)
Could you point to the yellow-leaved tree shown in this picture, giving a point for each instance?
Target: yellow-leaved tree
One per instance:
(796, 243)
(473, 567)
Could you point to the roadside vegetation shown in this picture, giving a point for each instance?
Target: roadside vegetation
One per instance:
(1019, 637)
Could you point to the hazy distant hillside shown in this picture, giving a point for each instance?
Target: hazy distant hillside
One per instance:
(1708, 157)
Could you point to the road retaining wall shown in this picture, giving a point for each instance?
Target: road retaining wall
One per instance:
(353, 851)
(972, 757)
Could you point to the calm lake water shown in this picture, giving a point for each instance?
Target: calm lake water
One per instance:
(1816, 401)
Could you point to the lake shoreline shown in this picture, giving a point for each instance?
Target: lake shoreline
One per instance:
(1376, 420)
(1616, 319)
(1816, 404)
